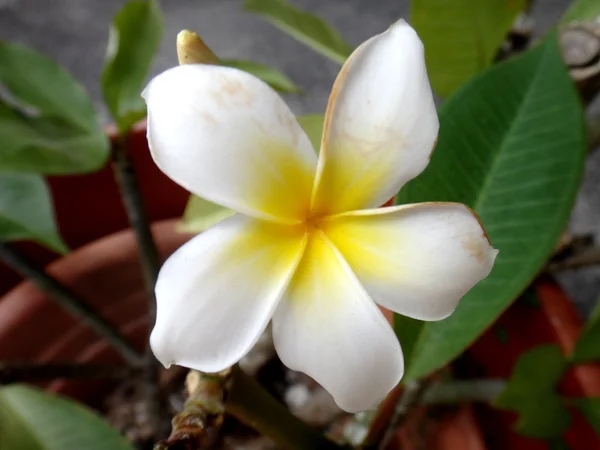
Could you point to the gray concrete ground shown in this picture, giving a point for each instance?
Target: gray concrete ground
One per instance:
(74, 33)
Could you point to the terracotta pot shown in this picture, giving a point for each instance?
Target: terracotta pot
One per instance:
(89, 207)
(544, 315)
(107, 274)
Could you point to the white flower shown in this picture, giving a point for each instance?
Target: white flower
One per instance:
(309, 247)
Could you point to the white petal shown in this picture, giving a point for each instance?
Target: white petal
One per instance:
(229, 138)
(381, 124)
(327, 327)
(417, 260)
(217, 293)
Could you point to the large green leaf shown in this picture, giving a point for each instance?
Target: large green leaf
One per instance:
(531, 391)
(33, 420)
(26, 211)
(47, 121)
(272, 77)
(133, 41)
(201, 214)
(511, 147)
(582, 11)
(461, 37)
(305, 27)
(588, 344)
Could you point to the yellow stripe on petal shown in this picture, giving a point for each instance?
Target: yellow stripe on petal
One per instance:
(327, 327)
(380, 126)
(229, 138)
(417, 260)
(217, 293)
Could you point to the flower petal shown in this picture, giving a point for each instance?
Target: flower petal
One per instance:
(217, 293)
(417, 260)
(229, 138)
(327, 327)
(381, 124)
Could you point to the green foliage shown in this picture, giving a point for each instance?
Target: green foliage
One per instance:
(306, 28)
(47, 121)
(531, 393)
(588, 345)
(277, 80)
(312, 124)
(407, 330)
(133, 40)
(582, 11)
(512, 147)
(590, 409)
(201, 214)
(26, 211)
(33, 420)
(461, 37)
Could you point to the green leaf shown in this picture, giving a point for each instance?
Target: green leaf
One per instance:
(558, 444)
(582, 11)
(201, 214)
(590, 409)
(587, 347)
(461, 37)
(48, 146)
(511, 147)
(133, 41)
(305, 27)
(407, 331)
(47, 120)
(277, 80)
(33, 420)
(26, 211)
(312, 124)
(530, 391)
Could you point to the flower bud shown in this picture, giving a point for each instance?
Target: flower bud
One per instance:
(192, 50)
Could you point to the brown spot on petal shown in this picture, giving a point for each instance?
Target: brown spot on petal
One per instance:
(485, 235)
(232, 92)
(476, 247)
(209, 119)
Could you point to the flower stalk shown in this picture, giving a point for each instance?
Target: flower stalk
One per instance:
(251, 404)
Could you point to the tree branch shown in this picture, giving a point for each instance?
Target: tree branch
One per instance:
(14, 372)
(69, 301)
(150, 262)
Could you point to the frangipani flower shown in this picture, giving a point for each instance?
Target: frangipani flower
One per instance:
(309, 246)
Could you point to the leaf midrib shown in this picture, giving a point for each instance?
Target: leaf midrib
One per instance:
(485, 187)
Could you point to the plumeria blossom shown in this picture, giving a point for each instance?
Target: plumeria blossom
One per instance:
(309, 247)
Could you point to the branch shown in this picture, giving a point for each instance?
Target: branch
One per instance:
(69, 301)
(251, 404)
(11, 373)
(463, 391)
(138, 219)
(580, 44)
(150, 262)
(585, 258)
(386, 422)
(198, 425)
(411, 398)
